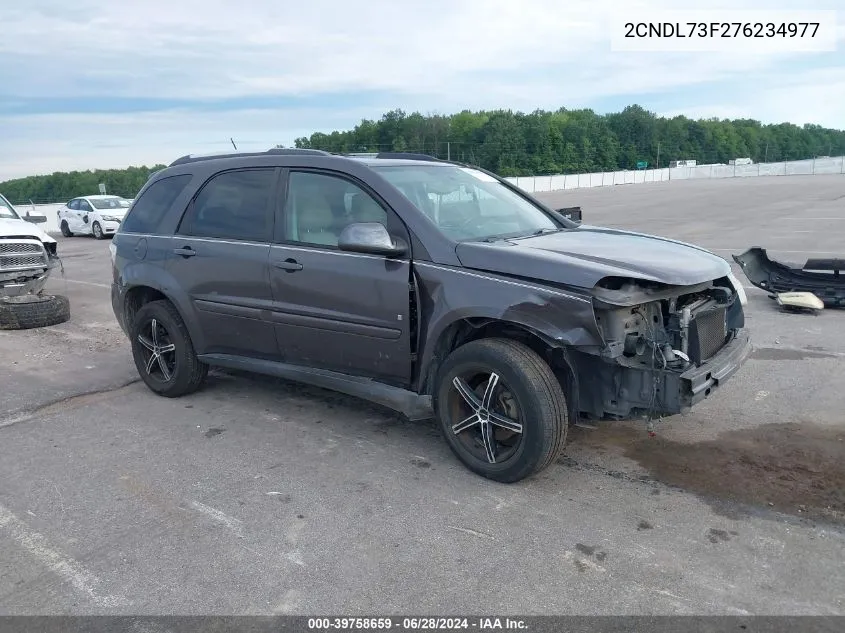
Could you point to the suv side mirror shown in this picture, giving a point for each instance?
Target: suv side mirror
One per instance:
(372, 238)
(571, 213)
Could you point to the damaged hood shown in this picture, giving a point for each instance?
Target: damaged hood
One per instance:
(582, 257)
(21, 228)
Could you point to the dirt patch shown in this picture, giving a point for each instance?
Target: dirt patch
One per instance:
(775, 353)
(793, 468)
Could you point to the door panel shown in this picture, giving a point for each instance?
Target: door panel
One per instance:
(342, 311)
(228, 285)
(220, 258)
(84, 210)
(347, 312)
(71, 215)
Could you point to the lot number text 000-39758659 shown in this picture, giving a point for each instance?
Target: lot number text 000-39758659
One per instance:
(757, 31)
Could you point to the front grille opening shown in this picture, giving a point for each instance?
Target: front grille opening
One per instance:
(21, 255)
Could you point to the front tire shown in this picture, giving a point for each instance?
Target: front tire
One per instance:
(163, 351)
(97, 230)
(66, 229)
(501, 409)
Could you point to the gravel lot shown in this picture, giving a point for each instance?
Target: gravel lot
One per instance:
(256, 496)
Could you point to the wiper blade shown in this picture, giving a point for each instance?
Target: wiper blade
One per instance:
(541, 232)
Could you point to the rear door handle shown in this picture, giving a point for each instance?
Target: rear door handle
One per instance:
(185, 251)
(289, 264)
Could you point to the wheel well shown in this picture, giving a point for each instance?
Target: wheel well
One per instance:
(137, 297)
(466, 330)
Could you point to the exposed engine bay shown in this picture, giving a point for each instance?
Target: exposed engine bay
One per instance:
(669, 332)
(653, 334)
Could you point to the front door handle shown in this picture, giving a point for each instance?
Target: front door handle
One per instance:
(290, 265)
(185, 251)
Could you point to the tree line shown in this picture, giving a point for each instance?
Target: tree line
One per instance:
(579, 141)
(62, 186)
(515, 144)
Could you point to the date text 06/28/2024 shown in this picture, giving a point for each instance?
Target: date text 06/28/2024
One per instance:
(757, 31)
(415, 624)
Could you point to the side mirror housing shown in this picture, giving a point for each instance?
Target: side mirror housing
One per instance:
(571, 213)
(372, 238)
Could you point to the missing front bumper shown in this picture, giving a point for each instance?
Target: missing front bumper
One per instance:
(622, 392)
(698, 383)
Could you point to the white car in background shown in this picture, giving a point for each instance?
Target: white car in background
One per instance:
(92, 215)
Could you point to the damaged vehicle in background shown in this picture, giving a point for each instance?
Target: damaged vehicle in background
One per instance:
(428, 286)
(27, 258)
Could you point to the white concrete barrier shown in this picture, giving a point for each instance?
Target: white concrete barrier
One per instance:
(558, 182)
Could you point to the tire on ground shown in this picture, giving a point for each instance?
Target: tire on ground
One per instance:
(33, 311)
(66, 229)
(190, 372)
(541, 399)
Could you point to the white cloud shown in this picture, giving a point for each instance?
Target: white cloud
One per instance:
(421, 54)
(814, 96)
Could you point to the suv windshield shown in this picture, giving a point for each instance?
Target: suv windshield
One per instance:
(467, 204)
(7, 211)
(109, 203)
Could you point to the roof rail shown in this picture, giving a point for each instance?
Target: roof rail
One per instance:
(275, 151)
(297, 150)
(409, 156)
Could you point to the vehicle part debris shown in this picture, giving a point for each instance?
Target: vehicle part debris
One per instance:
(821, 277)
(799, 301)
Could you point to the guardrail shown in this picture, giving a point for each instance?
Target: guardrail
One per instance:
(559, 182)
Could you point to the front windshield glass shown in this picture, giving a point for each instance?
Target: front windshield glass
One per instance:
(467, 204)
(7, 211)
(109, 203)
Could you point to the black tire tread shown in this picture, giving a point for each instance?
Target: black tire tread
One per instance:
(196, 370)
(55, 309)
(552, 387)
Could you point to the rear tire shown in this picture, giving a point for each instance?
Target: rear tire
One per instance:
(509, 432)
(66, 229)
(33, 311)
(163, 351)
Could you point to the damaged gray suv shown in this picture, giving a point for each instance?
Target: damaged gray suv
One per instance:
(431, 287)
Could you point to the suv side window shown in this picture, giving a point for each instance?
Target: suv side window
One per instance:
(233, 205)
(319, 206)
(149, 210)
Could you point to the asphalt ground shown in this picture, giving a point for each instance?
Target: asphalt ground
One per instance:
(257, 496)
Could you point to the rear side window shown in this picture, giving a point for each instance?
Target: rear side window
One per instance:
(149, 210)
(234, 205)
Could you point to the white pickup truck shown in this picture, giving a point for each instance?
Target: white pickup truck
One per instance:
(27, 258)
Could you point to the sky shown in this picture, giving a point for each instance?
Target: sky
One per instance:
(104, 84)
